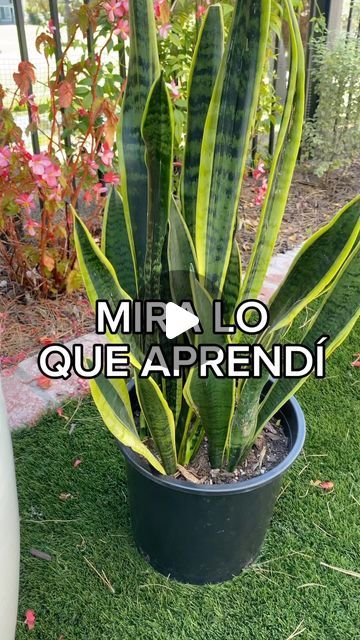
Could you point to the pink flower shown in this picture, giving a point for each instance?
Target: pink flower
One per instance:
(261, 192)
(106, 154)
(110, 8)
(111, 178)
(200, 12)
(40, 163)
(116, 9)
(259, 171)
(82, 112)
(174, 89)
(51, 175)
(157, 7)
(30, 226)
(164, 30)
(99, 189)
(122, 29)
(45, 169)
(5, 154)
(26, 200)
(124, 6)
(51, 26)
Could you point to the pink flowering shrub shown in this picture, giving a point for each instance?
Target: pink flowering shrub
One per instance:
(36, 189)
(261, 183)
(77, 162)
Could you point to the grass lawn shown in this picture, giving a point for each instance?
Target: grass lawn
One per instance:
(287, 592)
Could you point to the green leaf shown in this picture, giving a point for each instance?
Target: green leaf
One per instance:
(143, 70)
(113, 403)
(244, 422)
(336, 317)
(213, 399)
(159, 419)
(203, 72)
(282, 167)
(232, 285)
(316, 265)
(158, 134)
(181, 256)
(172, 389)
(101, 282)
(116, 234)
(226, 138)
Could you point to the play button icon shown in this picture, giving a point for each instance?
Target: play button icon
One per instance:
(178, 320)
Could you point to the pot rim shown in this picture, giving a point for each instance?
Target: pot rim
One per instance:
(227, 489)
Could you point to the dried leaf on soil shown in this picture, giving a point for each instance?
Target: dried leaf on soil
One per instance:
(43, 382)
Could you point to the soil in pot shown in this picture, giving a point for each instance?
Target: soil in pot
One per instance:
(269, 450)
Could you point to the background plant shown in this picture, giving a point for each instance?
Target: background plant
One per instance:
(332, 136)
(76, 159)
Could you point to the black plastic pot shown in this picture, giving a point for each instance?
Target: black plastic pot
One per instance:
(206, 534)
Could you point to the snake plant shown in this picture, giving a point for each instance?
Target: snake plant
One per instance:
(151, 233)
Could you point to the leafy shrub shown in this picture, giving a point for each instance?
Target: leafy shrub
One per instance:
(332, 137)
(76, 129)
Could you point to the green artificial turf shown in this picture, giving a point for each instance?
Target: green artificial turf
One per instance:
(287, 590)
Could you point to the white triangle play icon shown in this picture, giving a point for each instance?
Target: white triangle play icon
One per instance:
(178, 320)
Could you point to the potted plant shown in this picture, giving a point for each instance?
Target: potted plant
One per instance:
(156, 245)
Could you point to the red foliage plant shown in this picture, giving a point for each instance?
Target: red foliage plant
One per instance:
(75, 164)
(37, 189)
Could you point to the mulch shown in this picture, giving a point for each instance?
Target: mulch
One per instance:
(27, 323)
(312, 203)
(270, 448)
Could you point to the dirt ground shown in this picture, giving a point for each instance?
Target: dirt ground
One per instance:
(27, 324)
(312, 203)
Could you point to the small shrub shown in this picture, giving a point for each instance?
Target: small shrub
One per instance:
(332, 137)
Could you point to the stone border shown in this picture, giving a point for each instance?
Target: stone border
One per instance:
(26, 401)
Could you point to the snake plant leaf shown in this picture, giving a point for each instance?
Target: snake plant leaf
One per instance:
(117, 233)
(172, 390)
(232, 286)
(193, 442)
(244, 422)
(282, 167)
(159, 419)
(336, 317)
(158, 134)
(181, 256)
(204, 69)
(226, 139)
(142, 71)
(113, 403)
(117, 397)
(101, 283)
(213, 399)
(316, 265)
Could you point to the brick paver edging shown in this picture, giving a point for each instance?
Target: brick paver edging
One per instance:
(26, 401)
